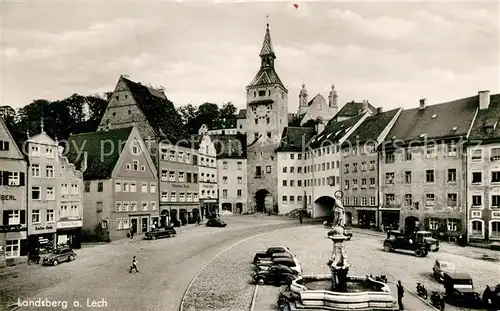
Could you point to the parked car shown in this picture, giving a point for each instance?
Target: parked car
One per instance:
(271, 250)
(459, 289)
(441, 267)
(216, 222)
(274, 256)
(280, 273)
(491, 297)
(292, 263)
(162, 232)
(420, 243)
(59, 255)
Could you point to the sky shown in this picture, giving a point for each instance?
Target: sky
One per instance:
(389, 53)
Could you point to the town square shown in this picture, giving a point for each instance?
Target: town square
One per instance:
(250, 156)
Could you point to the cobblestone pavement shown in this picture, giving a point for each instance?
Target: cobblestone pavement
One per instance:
(310, 244)
(166, 268)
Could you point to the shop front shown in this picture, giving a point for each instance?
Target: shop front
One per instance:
(42, 243)
(13, 245)
(69, 233)
(178, 214)
(367, 217)
(209, 208)
(389, 218)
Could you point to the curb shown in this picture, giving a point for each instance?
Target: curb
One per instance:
(252, 304)
(421, 299)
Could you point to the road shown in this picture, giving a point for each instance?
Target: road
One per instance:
(100, 273)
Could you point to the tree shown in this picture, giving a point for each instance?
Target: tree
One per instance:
(187, 113)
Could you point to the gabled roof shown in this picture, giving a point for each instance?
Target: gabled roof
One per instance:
(295, 138)
(446, 120)
(242, 114)
(311, 101)
(372, 127)
(334, 132)
(487, 118)
(158, 110)
(101, 159)
(266, 76)
(230, 146)
(352, 109)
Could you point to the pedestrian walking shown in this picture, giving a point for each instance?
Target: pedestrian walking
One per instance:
(134, 265)
(401, 292)
(300, 218)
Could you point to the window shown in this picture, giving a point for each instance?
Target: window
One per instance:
(452, 199)
(126, 186)
(189, 177)
(118, 223)
(195, 177)
(346, 168)
(125, 221)
(49, 171)
(452, 224)
(429, 176)
(153, 203)
(133, 206)
(126, 205)
(135, 165)
(354, 184)
(258, 171)
(239, 165)
(299, 183)
(4, 146)
(143, 168)
(224, 179)
(50, 215)
(495, 176)
(363, 166)
(128, 167)
(477, 177)
(389, 157)
(284, 199)
(477, 155)
(292, 183)
(268, 169)
(144, 205)
(408, 199)
(354, 167)
(118, 206)
(240, 180)
(35, 170)
(372, 182)
(346, 184)
(495, 229)
(164, 196)
(74, 189)
(452, 175)
(495, 201)
(364, 201)
(292, 156)
(355, 201)
(152, 187)
(144, 187)
(64, 189)
(372, 201)
(390, 199)
(12, 248)
(35, 193)
(100, 186)
(408, 177)
(408, 155)
(14, 179)
(363, 183)
(181, 177)
(284, 183)
(430, 199)
(171, 176)
(118, 186)
(477, 200)
(35, 216)
(182, 196)
(292, 169)
(299, 199)
(452, 149)
(224, 193)
(495, 154)
(292, 199)
(372, 165)
(87, 186)
(389, 178)
(195, 196)
(133, 186)
(430, 152)
(14, 218)
(224, 165)
(35, 151)
(51, 196)
(434, 223)
(477, 227)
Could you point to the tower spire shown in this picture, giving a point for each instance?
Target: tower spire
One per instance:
(267, 52)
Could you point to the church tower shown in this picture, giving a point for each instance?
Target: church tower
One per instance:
(302, 101)
(267, 116)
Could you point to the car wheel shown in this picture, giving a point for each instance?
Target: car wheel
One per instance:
(55, 262)
(153, 238)
(419, 253)
(281, 304)
(71, 258)
(387, 248)
(261, 281)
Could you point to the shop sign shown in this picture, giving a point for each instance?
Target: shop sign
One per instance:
(207, 186)
(180, 186)
(209, 201)
(7, 197)
(69, 224)
(39, 228)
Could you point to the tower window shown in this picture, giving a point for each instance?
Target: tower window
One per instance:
(268, 121)
(269, 93)
(262, 93)
(269, 134)
(254, 94)
(256, 121)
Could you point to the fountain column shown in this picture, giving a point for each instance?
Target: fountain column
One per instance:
(338, 261)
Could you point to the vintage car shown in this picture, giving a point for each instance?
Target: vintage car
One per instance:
(440, 268)
(271, 250)
(216, 222)
(491, 297)
(420, 243)
(158, 233)
(292, 263)
(276, 273)
(459, 289)
(274, 256)
(59, 255)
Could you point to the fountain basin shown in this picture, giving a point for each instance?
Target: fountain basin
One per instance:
(363, 293)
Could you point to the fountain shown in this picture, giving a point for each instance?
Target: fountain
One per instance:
(337, 291)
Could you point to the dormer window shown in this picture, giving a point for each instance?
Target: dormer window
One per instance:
(454, 128)
(434, 116)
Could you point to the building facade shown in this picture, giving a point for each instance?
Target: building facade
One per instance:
(266, 117)
(483, 171)
(13, 201)
(359, 172)
(232, 184)
(120, 180)
(43, 208)
(207, 163)
(70, 204)
(179, 185)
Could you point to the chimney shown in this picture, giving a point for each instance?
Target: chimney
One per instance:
(423, 103)
(83, 167)
(484, 99)
(380, 110)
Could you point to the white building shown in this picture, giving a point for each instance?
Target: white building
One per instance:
(207, 172)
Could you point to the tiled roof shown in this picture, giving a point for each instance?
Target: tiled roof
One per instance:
(295, 138)
(266, 76)
(351, 109)
(101, 159)
(372, 127)
(446, 120)
(158, 110)
(334, 131)
(230, 146)
(242, 114)
(267, 45)
(487, 117)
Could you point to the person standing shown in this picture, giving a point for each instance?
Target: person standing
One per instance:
(401, 292)
(134, 265)
(300, 218)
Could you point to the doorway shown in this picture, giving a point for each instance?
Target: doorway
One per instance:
(411, 224)
(144, 224)
(260, 200)
(133, 225)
